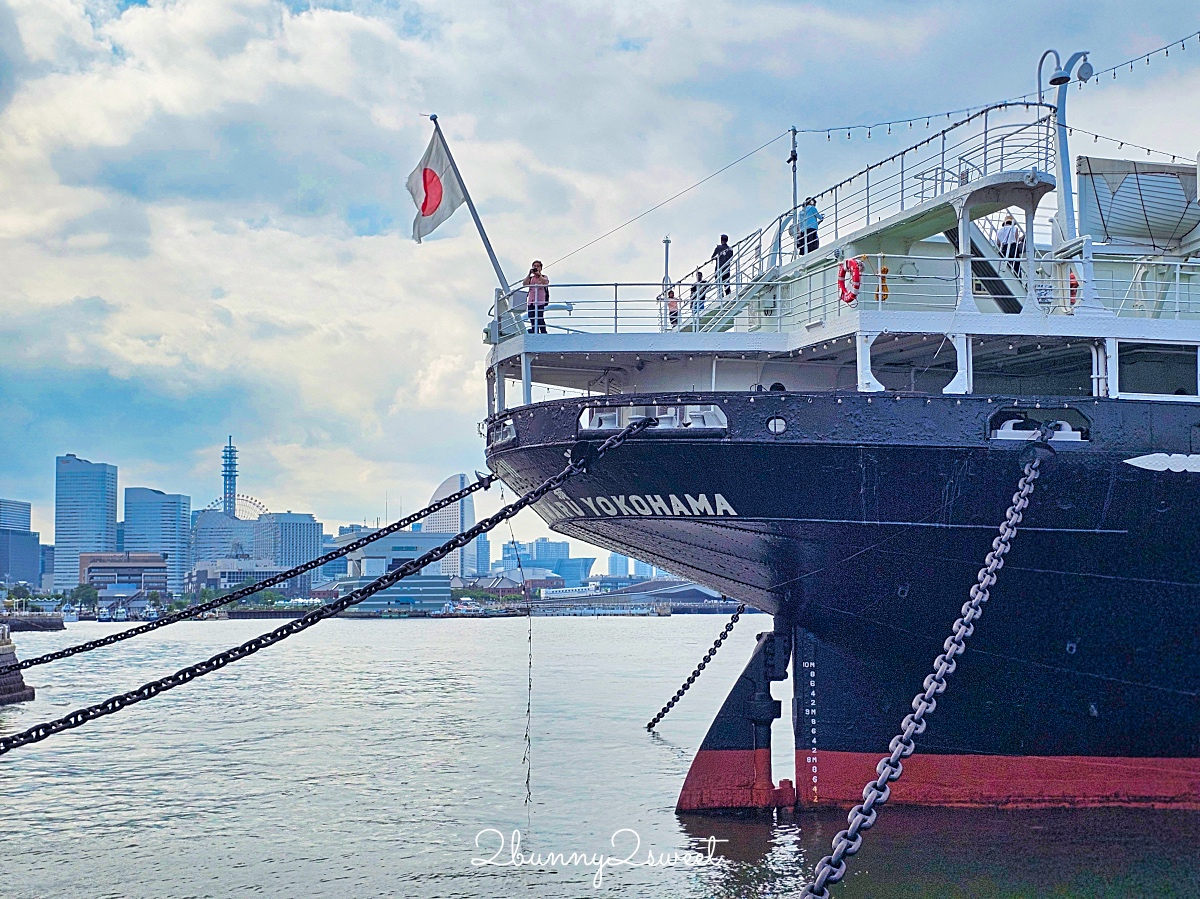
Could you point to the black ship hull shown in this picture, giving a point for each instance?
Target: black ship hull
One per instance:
(864, 521)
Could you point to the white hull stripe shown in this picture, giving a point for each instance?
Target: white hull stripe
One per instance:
(1166, 462)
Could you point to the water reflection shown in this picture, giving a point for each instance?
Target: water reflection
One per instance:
(915, 853)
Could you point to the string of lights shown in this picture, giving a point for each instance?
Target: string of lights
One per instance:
(870, 127)
(1121, 144)
(1165, 50)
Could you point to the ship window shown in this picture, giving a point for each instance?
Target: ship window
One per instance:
(921, 363)
(1033, 366)
(1156, 368)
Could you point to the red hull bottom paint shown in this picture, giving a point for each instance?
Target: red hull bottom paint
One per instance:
(733, 779)
(998, 781)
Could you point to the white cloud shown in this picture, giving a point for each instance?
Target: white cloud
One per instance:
(203, 207)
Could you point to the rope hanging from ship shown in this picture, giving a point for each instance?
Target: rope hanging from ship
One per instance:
(483, 483)
(832, 868)
(114, 704)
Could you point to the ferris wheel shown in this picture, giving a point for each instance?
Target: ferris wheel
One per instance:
(246, 508)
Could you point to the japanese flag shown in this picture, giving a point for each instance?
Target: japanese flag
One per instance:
(434, 188)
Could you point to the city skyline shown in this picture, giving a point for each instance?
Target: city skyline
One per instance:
(159, 522)
(42, 515)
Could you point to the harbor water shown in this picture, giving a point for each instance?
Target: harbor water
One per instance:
(367, 758)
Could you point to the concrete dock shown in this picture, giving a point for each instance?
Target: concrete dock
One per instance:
(12, 684)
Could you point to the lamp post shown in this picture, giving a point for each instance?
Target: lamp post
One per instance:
(1060, 79)
(793, 159)
(666, 264)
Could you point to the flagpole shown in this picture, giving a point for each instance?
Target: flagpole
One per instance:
(487, 244)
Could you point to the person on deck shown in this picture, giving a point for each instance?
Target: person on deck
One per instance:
(538, 286)
(810, 220)
(724, 255)
(1011, 243)
(699, 289)
(672, 304)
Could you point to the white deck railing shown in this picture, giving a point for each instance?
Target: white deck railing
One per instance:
(1000, 138)
(910, 283)
(986, 143)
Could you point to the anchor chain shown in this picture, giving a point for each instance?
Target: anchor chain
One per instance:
(832, 868)
(687, 684)
(484, 482)
(215, 663)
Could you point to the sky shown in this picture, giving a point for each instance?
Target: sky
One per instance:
(204, 228)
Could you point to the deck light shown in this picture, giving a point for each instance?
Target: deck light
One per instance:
(1059, 77)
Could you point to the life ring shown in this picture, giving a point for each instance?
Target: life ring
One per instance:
(848, 291)
(881, 292)
(1074, 285)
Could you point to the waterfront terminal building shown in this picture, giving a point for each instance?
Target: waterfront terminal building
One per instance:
(420, 594)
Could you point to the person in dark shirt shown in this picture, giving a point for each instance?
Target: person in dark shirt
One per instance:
(724, 255)
(699, 289)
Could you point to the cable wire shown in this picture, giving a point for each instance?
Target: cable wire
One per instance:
(669, 199)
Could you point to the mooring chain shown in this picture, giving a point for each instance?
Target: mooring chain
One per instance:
(484, 482)
(148, 691)
(832, 868)
(708, 656)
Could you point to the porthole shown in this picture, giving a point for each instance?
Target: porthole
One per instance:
(776, 425)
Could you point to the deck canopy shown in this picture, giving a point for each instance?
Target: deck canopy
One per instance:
(1123, 201)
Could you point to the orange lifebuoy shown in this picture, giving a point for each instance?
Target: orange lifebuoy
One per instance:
(881, 292)
(1074, 282)
(848, 291)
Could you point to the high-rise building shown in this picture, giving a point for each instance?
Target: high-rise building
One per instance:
(618, 565)
(15, 515)
(85, 514)
(157, 522)
(46, 568)
(483, 555)
(454, 519)
(19, 562)
(546, 552)
(642, 570)
(20, 558)
(515, 555)
(216, 535)
(290, 539)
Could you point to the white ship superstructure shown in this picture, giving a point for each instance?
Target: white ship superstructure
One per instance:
(940, 307)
